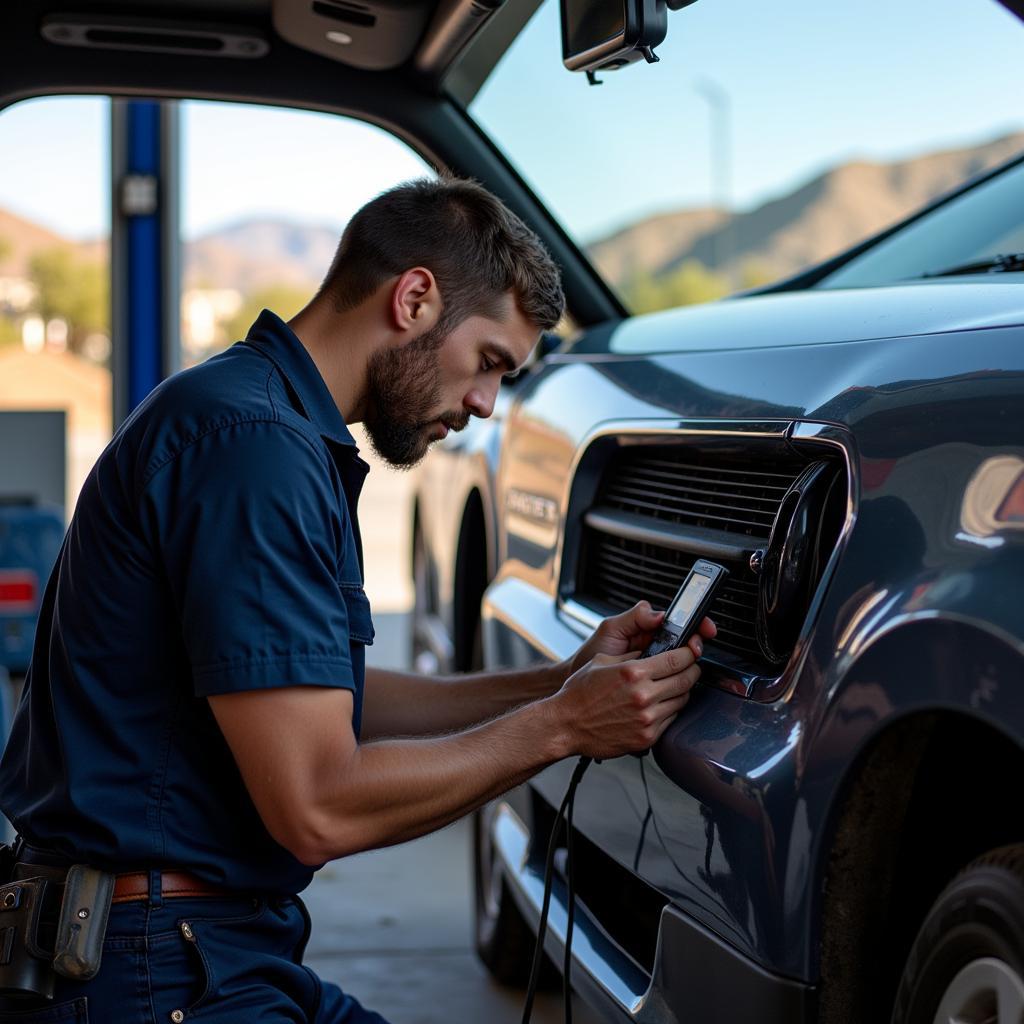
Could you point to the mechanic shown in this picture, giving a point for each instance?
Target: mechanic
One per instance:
(197, 718)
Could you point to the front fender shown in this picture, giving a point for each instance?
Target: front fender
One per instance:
(910, 664)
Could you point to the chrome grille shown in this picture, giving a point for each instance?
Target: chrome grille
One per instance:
(736, 495)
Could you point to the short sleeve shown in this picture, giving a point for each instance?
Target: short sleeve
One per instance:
(250, 532)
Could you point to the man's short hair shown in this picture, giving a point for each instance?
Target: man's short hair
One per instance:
(476, 248)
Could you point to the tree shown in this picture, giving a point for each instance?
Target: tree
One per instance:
(689, 284)
(756, 272)
(284, 299)
(73, 289)
(693, 283)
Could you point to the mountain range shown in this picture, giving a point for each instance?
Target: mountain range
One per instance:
(813, 221)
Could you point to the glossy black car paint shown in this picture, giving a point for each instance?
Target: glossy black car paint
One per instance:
(917, 616)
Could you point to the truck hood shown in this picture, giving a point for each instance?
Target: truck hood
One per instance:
(821, 317)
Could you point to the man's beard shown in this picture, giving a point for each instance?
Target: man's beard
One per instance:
(403, 388)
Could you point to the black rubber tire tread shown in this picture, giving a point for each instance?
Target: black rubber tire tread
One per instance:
(980, 913)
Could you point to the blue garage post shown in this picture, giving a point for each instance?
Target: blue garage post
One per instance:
(144, 248)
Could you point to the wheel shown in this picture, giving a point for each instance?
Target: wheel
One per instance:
(504, 941)
(967, 963)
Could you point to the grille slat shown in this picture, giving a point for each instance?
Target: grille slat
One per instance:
(628, 487)
(693, 488)
(622, 495)
(702, 518)
(718, 470)
(687, 474)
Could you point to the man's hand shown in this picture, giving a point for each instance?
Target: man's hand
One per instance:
(633, 630)
(621, 705)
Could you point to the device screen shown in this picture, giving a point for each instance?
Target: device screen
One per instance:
(689, 599)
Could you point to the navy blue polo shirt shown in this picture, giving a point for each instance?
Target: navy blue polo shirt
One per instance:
(214, 549)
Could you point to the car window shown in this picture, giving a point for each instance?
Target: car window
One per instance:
(985, 222)
(767, 139)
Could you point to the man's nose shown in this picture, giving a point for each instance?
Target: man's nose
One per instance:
(480, 402)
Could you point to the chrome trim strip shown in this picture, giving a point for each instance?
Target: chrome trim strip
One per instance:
(525, 610)
(812, 432)
(697, 540)
(593, 952)
(581, 615)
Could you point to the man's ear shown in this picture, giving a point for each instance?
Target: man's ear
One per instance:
(415, 301)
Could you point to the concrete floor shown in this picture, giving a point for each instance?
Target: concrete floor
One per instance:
(394, 926)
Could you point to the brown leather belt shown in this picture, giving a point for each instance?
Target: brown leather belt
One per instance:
(173, 885)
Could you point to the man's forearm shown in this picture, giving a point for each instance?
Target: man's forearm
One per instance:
(395, 790)
(403, 704)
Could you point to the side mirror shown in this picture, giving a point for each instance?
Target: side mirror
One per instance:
(602, 35)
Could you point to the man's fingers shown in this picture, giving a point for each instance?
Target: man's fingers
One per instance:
(672, 709)
(670, 687)
(687, 679)
(673, 705)
(668, 663)
(707, 629)
(615, 659)
(641, 618)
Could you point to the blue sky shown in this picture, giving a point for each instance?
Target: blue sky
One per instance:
(811, 82)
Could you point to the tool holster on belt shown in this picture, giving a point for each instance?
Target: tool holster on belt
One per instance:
(52, 921)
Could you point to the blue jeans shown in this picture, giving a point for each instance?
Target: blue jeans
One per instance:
(232, 960)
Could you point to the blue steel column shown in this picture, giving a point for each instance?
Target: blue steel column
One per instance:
(145, 245)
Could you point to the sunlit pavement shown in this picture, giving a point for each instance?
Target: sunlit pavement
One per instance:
(394, 926)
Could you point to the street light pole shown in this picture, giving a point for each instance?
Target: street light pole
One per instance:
(720, 109)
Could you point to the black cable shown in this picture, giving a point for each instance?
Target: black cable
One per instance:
(570, 908)
(549, 863)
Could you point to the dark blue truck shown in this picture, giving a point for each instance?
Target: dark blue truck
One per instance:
(832, 830)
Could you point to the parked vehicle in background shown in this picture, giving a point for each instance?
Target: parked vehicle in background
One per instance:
(30, 537)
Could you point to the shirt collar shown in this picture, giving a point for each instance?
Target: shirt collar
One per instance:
(278, 342)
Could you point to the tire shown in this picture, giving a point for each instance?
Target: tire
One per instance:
(504, 941)
(967, 962)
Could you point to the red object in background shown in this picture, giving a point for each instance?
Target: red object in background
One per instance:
(17, 591)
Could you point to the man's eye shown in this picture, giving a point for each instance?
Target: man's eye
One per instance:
(486, 365)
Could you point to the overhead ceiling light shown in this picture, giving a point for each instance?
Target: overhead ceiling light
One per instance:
(339, 37)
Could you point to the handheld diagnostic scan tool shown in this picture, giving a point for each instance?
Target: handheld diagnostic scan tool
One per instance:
(688, 607)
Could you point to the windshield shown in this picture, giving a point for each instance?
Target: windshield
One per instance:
(768, 138)
(986, 222)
